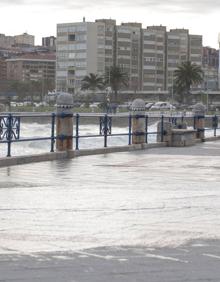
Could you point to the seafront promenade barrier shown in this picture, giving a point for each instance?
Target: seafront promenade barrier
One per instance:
(10, 127)
(137, 127)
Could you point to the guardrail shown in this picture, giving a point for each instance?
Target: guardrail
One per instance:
(10, 126)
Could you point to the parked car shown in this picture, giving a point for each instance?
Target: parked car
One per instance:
(149, 105)
(162, 106)
(94, 105)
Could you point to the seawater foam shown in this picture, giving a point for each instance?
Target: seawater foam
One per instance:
(34, 130)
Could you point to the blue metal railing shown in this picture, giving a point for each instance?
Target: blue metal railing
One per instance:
(10, 127)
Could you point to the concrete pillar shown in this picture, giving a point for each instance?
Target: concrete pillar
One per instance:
(64, 122)
(138, 121)
(167, 132)
(199, 120)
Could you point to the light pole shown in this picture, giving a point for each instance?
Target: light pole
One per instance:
(108, 94)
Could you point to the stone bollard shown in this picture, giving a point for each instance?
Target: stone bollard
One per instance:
(138, 121)
(64, 122)
(167, 132)
(199, 120)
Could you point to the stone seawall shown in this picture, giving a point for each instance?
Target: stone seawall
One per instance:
(18, 160)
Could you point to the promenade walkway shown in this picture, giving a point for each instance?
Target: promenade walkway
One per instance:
(140, 216)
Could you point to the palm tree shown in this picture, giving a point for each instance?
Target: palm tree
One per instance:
(185, 76)
(116, 78)
(92, 82)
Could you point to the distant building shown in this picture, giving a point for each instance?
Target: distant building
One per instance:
(148, 55)
(195, 49)
(182, 47)
(154, 58)
(6, 41)
(24, 40)
(3, 69)
(49, 42)
(32, 67)
(109, 42)
(210, 57)
(210, 64)
(82, 48)
(128, 52)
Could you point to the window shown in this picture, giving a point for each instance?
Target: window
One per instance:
(72, 37)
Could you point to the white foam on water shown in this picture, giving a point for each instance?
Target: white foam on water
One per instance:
(36, 130)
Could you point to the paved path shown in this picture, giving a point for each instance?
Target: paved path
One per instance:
(198, 261)
(56, 218)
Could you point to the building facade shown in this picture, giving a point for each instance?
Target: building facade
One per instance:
(83, 48)
(128, 52)
(32, 67)
(3, 69)
(210, 64)
(148, 55)
(154, 58)
(49, 42)
(24, 40)
(177, 51)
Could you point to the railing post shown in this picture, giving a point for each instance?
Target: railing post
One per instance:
(105, 130)
(215, 124)
(162, 126)
(64, 124)
(138, 121)
(52, 132)
(199, 120)
(9, 134)
(146, 129)
(77, 131)
(129, 129)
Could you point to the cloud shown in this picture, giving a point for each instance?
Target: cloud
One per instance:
(183, 6)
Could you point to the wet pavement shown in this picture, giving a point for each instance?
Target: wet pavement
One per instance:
(197, 261)
(140, 216)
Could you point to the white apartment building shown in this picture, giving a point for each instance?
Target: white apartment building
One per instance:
(82, 48)
(195, 49)
(128, 52)
(177, 51)
(149, 56)
(154, 58)
(181, 47)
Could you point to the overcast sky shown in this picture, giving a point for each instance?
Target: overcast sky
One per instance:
(39, 17)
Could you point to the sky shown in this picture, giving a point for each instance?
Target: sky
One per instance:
(39, 17)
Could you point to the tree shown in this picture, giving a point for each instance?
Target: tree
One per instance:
(92, 82)
(116, 78)
(185, 76)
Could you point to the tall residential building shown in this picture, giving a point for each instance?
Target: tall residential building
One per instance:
(128, 52)
(149, 55)
(177, 51)
(154, 58)
(181, 47)
(24, 40)
(3, 69)
(210, 64)
(81, 49)
(49, 42)
(6, 41)
(109, 43)
(210, 57)
(195, 49)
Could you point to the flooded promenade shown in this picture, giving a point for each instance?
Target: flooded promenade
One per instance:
(111, 215)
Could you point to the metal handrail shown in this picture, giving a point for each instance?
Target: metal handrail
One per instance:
(10, 126)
